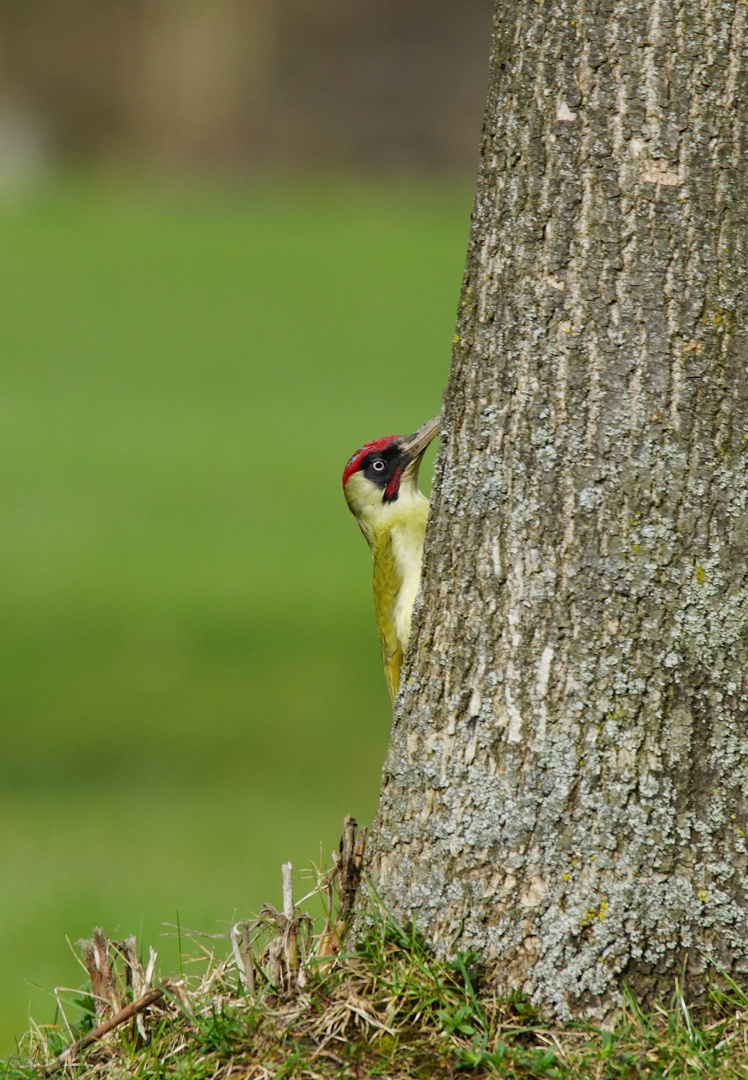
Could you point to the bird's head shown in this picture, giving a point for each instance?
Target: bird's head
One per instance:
(383, 475)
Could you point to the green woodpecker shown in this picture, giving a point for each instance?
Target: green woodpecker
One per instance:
(380, 483)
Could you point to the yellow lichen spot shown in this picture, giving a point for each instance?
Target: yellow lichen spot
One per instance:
(700, 575)
(703, 896)
(592, 915)
(566, 876)
(635, 549)
(456, 339)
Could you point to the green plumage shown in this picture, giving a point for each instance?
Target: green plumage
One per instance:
(391, 512)
(387, 583)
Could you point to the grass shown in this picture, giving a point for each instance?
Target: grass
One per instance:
(189, 676)
(387, 1008)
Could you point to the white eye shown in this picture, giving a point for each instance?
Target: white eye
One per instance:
(377, 466)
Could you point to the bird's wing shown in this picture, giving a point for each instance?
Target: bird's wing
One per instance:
(387, 585)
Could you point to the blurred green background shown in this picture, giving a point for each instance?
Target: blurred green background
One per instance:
(232, 237)
(190, 680)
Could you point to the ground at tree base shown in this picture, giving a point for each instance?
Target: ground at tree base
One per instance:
(278, 1007)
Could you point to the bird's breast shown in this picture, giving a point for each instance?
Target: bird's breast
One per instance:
(407, 552)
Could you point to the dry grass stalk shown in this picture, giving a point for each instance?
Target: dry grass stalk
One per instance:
(136, 979)
(96, 957)
(134, 971)
(242, 950)
(348, 870)
(289, 948)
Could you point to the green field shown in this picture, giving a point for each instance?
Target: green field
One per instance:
(190, 687)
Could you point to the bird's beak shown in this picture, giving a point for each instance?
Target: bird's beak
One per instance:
(415, 444)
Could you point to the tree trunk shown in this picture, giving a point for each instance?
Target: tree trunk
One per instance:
(566, 785)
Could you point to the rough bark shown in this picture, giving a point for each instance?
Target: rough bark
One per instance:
(566, 785)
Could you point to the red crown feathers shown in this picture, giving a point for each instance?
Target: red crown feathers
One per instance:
(355, 461)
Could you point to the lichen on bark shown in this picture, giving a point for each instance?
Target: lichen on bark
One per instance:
(565, 790)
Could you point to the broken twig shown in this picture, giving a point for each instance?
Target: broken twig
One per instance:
(121, 1017)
